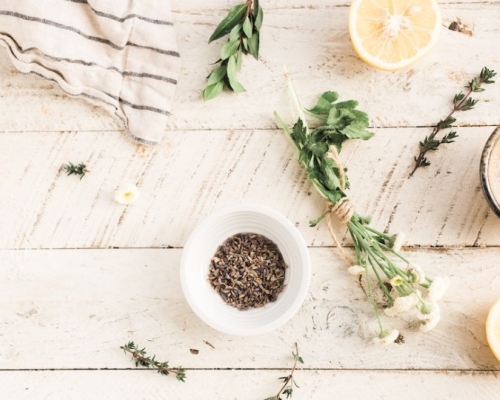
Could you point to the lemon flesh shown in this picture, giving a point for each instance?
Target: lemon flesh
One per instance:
(393, 34)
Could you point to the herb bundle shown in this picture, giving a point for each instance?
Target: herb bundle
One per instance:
(382, 269)
(242, 24)
(140, 358)
(289, 380)
(461, 102)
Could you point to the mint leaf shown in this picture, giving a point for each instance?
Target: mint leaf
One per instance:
(324, 104)
(234, 16)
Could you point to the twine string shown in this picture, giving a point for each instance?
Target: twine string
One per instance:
(344, 209)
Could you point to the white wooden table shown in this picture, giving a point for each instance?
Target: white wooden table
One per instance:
(81, 275)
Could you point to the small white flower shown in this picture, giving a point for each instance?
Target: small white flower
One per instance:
(402, 304)
(430, 322)
(386, 337)
(396, 280)
(399, 241)
(415, 273)
(438, 288)
(127, 193)
(428, 311)
(356, 270)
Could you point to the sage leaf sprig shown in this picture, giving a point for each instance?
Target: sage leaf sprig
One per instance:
(289, 380)
(140, 358)
(391, 281)
(72, 169)
(461, 102)
(242, 24)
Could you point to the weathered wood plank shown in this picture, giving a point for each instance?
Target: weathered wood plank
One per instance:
(194, 173)
(251, 385)
(312, 40)
(74, 308)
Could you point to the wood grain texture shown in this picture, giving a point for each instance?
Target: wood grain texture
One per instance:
(195, 173)
(66, 309)
(313, 41)
(247, 385)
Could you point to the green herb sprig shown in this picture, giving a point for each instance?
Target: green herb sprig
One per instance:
(461, 102)
(140, 358)
(242, 24)
(289, 380)
(392, 282)
(71, 169)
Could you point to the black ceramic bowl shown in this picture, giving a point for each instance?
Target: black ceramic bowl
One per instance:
(490, 171)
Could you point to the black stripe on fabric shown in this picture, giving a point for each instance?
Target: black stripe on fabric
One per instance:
(144, 108)
(122, 19)
(132, 136)
(86, 36)
(123, 101)
(93, 64)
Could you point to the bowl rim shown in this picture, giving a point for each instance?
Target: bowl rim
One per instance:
(484, 171)
(298, 241)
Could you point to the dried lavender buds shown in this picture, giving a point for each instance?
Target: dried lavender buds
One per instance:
(248, 271)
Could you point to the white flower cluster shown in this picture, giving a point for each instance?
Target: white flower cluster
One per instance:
(427, 308)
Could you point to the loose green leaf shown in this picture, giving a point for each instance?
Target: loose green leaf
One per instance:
(228, 50)
(236, 86)
(247, 27)
(212, 91)
(217, 75)
(253, 45)
(234, 16)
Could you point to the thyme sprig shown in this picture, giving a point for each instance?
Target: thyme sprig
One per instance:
(389, 279)
(140, 358)
(242, 24)
(71, 169)
(461, 102)
(289, 380)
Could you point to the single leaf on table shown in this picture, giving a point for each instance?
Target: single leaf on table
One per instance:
(233, 17)
(212, 91)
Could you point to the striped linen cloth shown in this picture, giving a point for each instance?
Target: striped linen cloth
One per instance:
(120, 54)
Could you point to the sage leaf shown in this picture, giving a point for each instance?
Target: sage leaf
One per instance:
(259, 17)
(231, 68)
(216, 75)
(236, 86)
(239, 59)
(212, 91)
(234, 35)
(247, 27)
(253, 45)
(228, 49)
(234, 16)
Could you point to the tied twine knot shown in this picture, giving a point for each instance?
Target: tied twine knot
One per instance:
(343, 209)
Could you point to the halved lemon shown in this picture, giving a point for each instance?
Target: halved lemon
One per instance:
(393, 34)
(493, 329)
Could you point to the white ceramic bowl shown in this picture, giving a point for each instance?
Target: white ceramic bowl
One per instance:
(201, 247)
